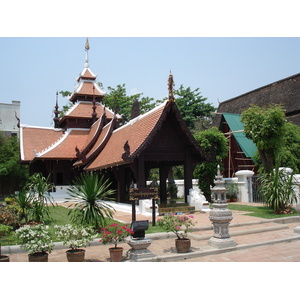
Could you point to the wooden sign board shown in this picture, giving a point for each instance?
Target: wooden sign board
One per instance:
(143, 193)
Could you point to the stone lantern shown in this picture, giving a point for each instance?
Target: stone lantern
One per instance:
(220, 215)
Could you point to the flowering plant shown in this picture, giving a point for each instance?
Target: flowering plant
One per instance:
(75, 237)
(35, 238)
(180, 225)
(115, 233)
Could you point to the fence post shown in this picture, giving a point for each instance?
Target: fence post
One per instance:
(245, 185)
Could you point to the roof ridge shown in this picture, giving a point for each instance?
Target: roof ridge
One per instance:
(262, 87)
(136, 119)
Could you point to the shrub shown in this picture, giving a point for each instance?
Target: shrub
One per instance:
(180, 225)
(9, 216)
(89, 188)
(75, 237)
(35, 238)
(277, 189)
(5, 230)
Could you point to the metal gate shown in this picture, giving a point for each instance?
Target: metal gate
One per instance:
(255, 193)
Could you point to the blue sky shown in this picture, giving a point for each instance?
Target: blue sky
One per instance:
(34, 68)
(224, 48)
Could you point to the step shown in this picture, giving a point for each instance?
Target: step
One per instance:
(162, 210)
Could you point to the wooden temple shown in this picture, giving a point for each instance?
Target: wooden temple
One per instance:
(88, 138)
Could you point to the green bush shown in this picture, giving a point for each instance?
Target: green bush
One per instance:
(10, 200)
(5, 230)
(9, 216)
(277, 190)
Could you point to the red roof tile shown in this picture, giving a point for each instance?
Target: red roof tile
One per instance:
(65, 148)
(36, 139)
(85, 110)
(135, 132)
(87, 73)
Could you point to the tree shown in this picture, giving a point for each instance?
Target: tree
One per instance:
(119, 102)
(67, 106)
(12, 173)
(192, 106)
(215, 145)
(276, 139)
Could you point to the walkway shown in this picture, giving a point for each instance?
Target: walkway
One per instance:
(258, 240)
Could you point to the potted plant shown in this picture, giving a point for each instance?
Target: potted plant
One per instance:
(180, 225)
(75, 237)
(4, 230)
(232, 192)
(113, 234)
(36, 240)
(3, 258)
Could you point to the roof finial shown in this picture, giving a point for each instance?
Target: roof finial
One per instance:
(56, 112)
(87, 48)
(170, 87)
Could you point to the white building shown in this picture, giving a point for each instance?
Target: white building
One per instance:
(8, 118)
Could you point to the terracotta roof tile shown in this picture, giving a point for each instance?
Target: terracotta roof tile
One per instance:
(135, 132)
(65, 148)
(36, 139)
(98, 143)
(92, 133)
(85, 110)
(88, 74)
(86, 88)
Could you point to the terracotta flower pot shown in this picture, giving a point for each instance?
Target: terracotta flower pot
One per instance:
(183, 245)
(116, 254)
(4, 258)
(38, 257)
(75, 255)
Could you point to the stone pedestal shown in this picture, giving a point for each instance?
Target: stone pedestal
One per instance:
(220, 216)
(139, 249)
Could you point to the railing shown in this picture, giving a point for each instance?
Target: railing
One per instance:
(255, 187)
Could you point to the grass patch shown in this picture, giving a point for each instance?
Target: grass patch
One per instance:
(59, 216)
(260, 211)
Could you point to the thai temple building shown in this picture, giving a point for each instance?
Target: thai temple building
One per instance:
(89, 138)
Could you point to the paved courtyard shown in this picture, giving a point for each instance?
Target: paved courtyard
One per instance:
(258, 240)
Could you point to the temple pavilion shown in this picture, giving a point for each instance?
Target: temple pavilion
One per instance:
(89, 138)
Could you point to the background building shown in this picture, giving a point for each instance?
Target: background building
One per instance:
(8, 120)
(241, 152)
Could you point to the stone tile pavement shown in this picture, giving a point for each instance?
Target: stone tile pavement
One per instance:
(258, 240)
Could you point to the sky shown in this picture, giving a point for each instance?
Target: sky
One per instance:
(224, 49)
(34, 68)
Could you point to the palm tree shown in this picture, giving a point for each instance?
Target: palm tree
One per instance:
(89, 188)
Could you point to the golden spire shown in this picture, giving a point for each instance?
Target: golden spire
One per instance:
(87, 45)
(87, 48)
(170, 87)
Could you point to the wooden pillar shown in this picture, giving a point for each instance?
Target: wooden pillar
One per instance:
(120, 176)
(163, 175)
(141, 178)
(188, 175)
(121, 185)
